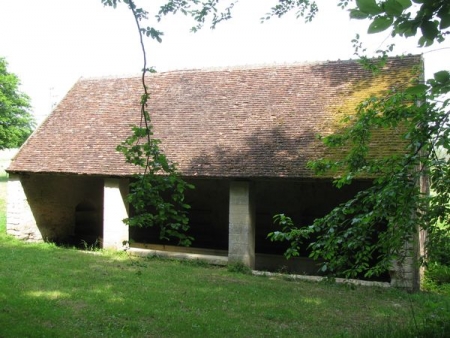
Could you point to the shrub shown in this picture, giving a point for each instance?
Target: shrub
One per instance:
(438, 245)
(439, 274)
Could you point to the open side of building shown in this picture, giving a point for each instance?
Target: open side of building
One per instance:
(242, 136)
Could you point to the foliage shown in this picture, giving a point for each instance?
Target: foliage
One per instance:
(157, 192)
(429, 23)
(438, 248)
(391, 210)
(438, 273)
(91, 247)
(429, 20)
(16, 121)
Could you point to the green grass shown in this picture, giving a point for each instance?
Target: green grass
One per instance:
(48, 291)
(3, 180)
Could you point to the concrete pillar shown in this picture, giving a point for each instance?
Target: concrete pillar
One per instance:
(241, 240)
(115, 209)
(404, 270)
(20, 221)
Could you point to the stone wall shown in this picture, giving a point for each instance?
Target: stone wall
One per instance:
(42, 207)
(20, 221)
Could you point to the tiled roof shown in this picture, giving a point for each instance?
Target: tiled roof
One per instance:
(238, 122)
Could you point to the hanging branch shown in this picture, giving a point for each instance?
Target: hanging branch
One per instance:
(156, 194)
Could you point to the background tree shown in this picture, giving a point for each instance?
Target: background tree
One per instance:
(16, 121)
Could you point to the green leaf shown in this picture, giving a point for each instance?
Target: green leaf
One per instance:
(393, 8)
(424, 42)
(369, 7)
(357, 14)
(429, 30)
(417, 89)
(442, 77)
(445, 21)
(380, 24)
(405, 3)
(406, 28)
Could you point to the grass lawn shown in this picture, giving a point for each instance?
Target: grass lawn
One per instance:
(47, 291)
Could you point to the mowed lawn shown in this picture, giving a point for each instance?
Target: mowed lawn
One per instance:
(48, 291)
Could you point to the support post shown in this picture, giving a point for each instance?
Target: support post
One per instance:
(408, 273)
(115, 209)
(241, 240)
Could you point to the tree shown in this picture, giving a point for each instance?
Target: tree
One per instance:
(16, 121)
(157, 191)
(420, 111)
(395, 199)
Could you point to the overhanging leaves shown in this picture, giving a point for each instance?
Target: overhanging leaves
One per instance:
(380, 24)
(374, 224)
(443, 77)
(405, 3)
(369, 7)
(357, 14)
(393, 8)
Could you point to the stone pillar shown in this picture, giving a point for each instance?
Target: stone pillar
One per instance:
(115, 209)
(241, 238)
(404, 271)
(20, 221)
(407, 273)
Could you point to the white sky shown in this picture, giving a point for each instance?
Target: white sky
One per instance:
(50, 44)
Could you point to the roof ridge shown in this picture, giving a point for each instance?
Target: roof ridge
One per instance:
(238, 67)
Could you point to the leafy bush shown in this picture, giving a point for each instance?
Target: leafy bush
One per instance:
(437, 279)
(438, 245)
(439, 273)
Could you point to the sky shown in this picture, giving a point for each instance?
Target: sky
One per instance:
(50, 44)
